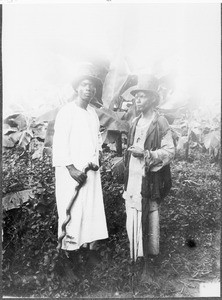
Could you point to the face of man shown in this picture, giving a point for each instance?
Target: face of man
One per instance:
(144, 101)
(86, 90)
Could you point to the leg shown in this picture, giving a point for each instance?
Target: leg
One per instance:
(148, 272)
(93, 257)
(93, 245)
(67, 265)
(151, 247)
(154, 233)
(74, 257)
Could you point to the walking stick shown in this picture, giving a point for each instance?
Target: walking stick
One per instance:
(92, 167)
(133, 262)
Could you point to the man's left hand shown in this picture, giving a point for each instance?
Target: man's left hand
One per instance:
(136, 151)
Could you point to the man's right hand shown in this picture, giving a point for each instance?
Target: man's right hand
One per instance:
(76, 174)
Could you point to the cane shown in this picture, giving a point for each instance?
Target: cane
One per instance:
(92, 167)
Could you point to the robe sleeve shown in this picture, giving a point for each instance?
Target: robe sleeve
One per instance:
(100, 141)
(61, 147)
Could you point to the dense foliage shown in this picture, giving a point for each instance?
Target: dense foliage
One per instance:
(189, 233)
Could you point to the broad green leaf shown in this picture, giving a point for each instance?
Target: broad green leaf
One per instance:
(7, 129)
(112, 146)
(25, 138)
(21, 121)
(182, 142)
(197, 131)
(212, 140)
(39, 152)
(40, 132)
(128, 86)
(177, 128)
(175, 135)
(114, 81)
(127, 94)
(130, 114)
(15, 200)
(10, 120)
(111, 120)
(193, 145)
(172, 113)
(47, 151)
(214, 151)
(111, 136)
(118, 168)
(104, 135)
(7, 141)
(49, 134)
(16, 120)
(116, 160)
(193, 136)
(15, 137)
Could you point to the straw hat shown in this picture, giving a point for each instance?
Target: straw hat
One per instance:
(86, 71)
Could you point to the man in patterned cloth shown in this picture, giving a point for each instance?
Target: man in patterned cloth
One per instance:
(76, 143)
(147, 178)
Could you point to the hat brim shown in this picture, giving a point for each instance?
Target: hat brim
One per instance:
(98, 83)
(157, 96)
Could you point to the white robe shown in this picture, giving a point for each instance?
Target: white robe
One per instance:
(77, 141)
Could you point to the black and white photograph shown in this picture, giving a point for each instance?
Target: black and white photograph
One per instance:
(111, 149)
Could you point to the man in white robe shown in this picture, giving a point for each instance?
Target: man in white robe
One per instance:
(76, 143)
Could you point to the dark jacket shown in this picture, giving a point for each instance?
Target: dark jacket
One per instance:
(155, 185)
